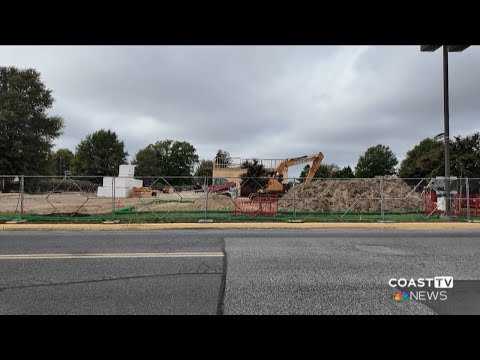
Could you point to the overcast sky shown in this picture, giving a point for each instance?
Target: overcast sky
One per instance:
(257, 101)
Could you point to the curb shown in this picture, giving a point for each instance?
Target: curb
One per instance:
(173, 226)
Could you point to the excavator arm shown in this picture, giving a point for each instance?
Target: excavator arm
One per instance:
(275, 186)
(317, 160)
(313, 169)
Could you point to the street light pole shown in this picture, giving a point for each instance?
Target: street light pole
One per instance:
(446, 115)
(446, 125)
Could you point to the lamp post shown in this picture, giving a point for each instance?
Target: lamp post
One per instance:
(446, 115)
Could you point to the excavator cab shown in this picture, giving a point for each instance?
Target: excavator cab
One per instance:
(275, 186)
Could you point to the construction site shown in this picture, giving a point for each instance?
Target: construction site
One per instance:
(227, 196)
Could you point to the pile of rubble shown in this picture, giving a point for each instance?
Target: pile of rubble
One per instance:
(356, 195)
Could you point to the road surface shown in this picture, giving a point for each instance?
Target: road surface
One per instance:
(234, 271)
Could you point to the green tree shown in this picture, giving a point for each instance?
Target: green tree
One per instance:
(324, 171)
(167, 158)
(62, 160)
(223, 157)
(254, 177)
(304, 173)
(205, 168)
(100, 154)
(424, 160)
(465, 156)
(377, 160)
(26, 130)
(345, 173)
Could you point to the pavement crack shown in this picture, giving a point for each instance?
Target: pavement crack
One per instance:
(221, 295)
(106, 280)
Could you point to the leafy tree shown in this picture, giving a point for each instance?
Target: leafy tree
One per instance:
(62, 160)
(205, 168)
(465, 156)
(223, 157)
(100, 154)
(344, 173)
(304, 173)
(26, 130)
(377, 160)
(324, 171)
(425, 160)
(166, 158)
(255, 176)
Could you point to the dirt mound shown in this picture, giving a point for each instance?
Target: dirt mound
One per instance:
(355, 194)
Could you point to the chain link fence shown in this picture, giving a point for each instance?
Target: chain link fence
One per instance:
(194, 199)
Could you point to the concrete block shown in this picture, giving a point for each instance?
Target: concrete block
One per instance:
(107, 181)
(103, 191)
(120, 192)
(127, 182)
(126, 170)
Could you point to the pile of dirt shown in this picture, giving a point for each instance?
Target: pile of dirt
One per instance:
(356, 195)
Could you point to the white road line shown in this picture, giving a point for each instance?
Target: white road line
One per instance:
(110, 256)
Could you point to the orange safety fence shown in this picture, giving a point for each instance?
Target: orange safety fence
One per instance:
(256, 206)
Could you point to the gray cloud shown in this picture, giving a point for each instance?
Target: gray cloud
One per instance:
(257, 101)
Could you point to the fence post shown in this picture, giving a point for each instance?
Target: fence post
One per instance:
(205, 219)
(294, 204)
(467, 190)
(382, 203)
(206, 198)
(22, 187)
(113, 198)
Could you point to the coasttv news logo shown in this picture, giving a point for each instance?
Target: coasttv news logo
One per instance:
(422, 289)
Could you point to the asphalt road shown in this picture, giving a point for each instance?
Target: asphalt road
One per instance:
(347, 272)
(263, 272)
(189, 283)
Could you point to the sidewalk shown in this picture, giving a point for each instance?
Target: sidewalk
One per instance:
(171, 226)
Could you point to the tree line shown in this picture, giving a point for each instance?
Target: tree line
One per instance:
(27, 133)
(424, 160)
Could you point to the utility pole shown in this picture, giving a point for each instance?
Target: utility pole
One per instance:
(446, 116)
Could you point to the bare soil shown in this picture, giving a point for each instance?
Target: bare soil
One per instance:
(322, 195)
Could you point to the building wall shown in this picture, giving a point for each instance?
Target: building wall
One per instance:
(232, 174)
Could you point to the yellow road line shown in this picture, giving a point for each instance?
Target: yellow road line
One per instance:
(109, 256)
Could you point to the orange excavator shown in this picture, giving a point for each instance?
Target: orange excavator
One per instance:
(275, 185)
